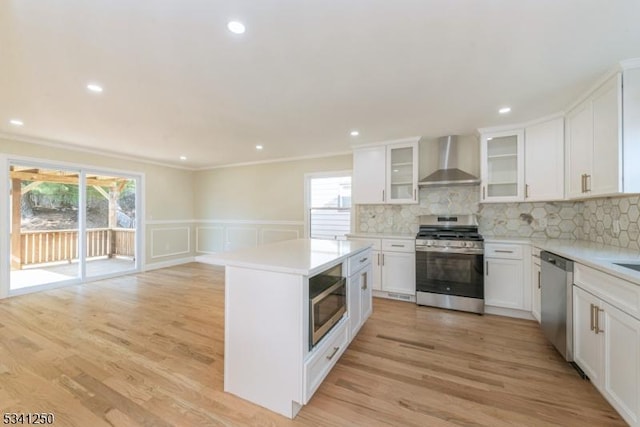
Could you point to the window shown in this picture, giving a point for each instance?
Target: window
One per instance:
(329, 205)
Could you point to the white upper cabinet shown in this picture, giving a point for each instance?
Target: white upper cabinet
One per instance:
(603, 138)
(402, 173)
(502, 166)
(544, 160)
(368, 185)
(386, 173)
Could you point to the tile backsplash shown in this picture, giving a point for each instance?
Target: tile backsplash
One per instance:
(613, 220)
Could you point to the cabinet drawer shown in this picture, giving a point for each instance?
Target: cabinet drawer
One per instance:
(359, 261)
(325, 356)
(374, 242)
(503, 250)
(617, 292)
(398, 245)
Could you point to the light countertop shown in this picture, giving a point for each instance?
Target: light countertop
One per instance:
(302, 256)
(402, 236)
(596, 255)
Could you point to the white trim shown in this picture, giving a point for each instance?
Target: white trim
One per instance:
(5, 256)
(248, 222)
(278, 160)
(411, 139)
(307, 194)
(170, 263)
(188, 230)
(630, 63)
(516, 126)
(218, 227)
(170, 221)
(72, 147)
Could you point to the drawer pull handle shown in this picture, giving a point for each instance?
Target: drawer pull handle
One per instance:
(501, 251)
(364, 259)
(592, 323)
(333, 353)
(397, 246)
(597, 329)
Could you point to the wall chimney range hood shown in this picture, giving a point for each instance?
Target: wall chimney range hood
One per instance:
(448, 173)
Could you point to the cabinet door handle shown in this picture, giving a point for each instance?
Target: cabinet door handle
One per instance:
(539, 279)
(378, 259)
(526, 191)
(502, 251)
(597, 321)
(587, 183)
(592, 323)
(333, 353)
(483, 192)
(486, 263)
(415, 196)
(383, 195)
(364, 280)
(397, 246)
(582, 183)
(364, 259)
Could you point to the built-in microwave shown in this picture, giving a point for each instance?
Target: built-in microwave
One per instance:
(327, 302)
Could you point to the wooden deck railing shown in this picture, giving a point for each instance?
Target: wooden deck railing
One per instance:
(38, 247)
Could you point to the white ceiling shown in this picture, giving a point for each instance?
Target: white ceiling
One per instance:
(177, 82)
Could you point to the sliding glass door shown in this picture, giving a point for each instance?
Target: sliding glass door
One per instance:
(111, 224)
(44, 227)
(68, 224)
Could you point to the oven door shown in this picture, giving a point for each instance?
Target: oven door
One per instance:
(326, 309)
(455, 272)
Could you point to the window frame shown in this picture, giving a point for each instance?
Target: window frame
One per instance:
(307, 196)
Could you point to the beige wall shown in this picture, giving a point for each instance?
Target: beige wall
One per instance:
(168, 190)
(265, 192)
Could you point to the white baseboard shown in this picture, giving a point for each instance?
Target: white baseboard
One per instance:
(509, 312)
(170, 263)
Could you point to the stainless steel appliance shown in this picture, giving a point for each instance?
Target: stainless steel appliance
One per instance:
(448, 173)
(556, 302)
(327, 302)
(450, 263)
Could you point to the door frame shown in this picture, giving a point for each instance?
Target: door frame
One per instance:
(5, 266)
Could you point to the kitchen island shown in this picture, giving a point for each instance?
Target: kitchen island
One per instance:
(269, 357)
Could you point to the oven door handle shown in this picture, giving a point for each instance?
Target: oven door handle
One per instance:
(466, 251)
(329, 290)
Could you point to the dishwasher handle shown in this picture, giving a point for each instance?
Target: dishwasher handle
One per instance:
(557, 261)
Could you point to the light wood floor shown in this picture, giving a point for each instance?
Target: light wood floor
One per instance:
(148, 350)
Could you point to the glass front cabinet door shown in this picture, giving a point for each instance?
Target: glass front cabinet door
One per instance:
(502, 166)
(402, 173)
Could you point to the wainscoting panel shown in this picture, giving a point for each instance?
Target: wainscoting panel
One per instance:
(221, 236)
(210, 239)
(173, 241)
(272, 235)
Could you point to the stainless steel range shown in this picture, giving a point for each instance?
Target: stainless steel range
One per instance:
(450, 263)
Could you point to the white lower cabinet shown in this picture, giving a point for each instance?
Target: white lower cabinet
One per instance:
(394, 267)
(607, 343)
(505, 283)
(359, 296)
(536, 277)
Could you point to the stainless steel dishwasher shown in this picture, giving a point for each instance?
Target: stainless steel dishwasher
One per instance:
(556, 302)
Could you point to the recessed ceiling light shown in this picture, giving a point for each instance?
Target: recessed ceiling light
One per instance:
(94, 88)
(183, 157)
(396, 170)
(504, 110)
(16, 122)
(259, 147)
(236, 27)
(355, 133)
(489, 139)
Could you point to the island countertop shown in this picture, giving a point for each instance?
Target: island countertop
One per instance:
(306, 257)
